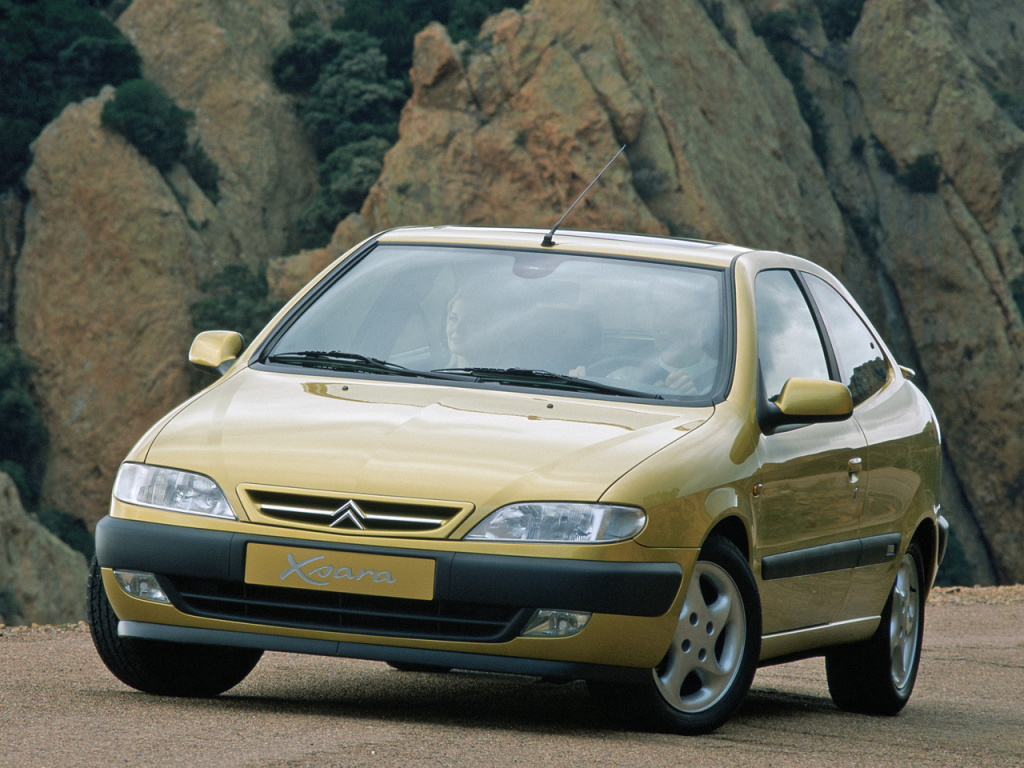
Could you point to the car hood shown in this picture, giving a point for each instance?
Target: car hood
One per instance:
(472, 445)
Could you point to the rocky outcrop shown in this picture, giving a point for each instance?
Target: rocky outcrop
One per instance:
(914, 91)
(509, 130)
(512, 130)
(113, 253)
(214, 59)
(106, 271)
(42, 579)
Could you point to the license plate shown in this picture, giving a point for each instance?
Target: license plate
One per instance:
(332, 571)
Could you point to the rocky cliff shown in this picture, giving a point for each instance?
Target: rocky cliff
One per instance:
(41, 579)
(113, 252)
(721, 146)
(890, 155)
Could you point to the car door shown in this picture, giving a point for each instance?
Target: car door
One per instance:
(807, 492)
(899, 428)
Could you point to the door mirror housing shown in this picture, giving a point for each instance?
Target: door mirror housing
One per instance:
(216, 351)
(805, 401)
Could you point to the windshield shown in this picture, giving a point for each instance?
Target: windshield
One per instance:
(495, 317)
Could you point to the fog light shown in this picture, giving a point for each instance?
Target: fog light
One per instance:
(141, 585)
(549, 623)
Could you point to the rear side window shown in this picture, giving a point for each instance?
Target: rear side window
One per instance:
(788, 341)
(862, 365)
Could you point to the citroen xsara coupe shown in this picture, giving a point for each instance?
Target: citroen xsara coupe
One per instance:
(649, 463)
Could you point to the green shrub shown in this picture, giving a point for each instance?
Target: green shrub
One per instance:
(69, 529)
(857, 147)
(10, 608)
(147, 117)
(352, 82)
(23, 438)
(52, 53)
(885, 161)
(297, 63)
(1012, 105)
(1017, 291)
(396, 22)
(203, 171)
(235, 299)
(839, 17)
(922, 175)
(353, 99)
(346, 177)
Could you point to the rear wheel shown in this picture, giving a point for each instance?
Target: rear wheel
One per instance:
(876, 677)
(167, 669)
(711, 661)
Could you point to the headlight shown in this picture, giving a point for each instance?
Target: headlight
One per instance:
(560, 522)
(172, 489)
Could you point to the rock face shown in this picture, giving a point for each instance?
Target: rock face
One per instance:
(42, 580)
(113, 253)
(103, 282)
(508, 131)
(214, 59)
(910, 187)
(512, 130)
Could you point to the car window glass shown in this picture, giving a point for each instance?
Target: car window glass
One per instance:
(651, 327)
(788, 341)
(862, 365)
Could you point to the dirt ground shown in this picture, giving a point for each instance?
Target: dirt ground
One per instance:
(60, 707)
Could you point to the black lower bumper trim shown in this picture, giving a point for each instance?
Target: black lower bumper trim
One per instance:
(625, 588)
(478, 662)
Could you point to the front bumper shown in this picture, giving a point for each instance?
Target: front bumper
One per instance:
(479, 605)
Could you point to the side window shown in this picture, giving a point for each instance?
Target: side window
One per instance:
(861, 363)
(788, 340)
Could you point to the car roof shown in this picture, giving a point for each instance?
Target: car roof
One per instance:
(655, 247)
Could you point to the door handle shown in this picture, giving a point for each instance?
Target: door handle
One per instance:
(855, 467)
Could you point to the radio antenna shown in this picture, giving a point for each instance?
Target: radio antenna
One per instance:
(548, 240)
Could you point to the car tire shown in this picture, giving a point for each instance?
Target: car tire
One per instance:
(711, 661)
(162, 668)
(876, 676)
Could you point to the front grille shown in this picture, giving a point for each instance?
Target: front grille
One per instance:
(341, 612)
(346, 514)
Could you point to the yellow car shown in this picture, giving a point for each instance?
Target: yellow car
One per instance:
(650, 463)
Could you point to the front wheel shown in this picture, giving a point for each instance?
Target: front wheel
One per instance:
(711, 661)
(166, 669)
(876, 676)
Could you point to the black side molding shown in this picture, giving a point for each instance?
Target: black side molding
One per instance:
(855, 553)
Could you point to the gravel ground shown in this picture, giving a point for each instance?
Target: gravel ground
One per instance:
(1012, 595)
(61, 708)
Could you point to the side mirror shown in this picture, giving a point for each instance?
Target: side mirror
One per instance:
(215, 351)
(805, 401)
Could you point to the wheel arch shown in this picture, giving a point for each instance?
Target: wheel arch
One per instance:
(733, 529)
(927, 538)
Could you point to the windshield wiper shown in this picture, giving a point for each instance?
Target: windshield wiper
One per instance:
(347, 361)
(539, 378)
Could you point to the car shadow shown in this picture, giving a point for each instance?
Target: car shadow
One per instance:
(375, 692)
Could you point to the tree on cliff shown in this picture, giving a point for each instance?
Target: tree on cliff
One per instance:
(350, 108)
(23, 438)
(52, 53)
(352, 82)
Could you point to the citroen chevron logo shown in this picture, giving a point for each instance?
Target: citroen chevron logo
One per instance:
(350, 512)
